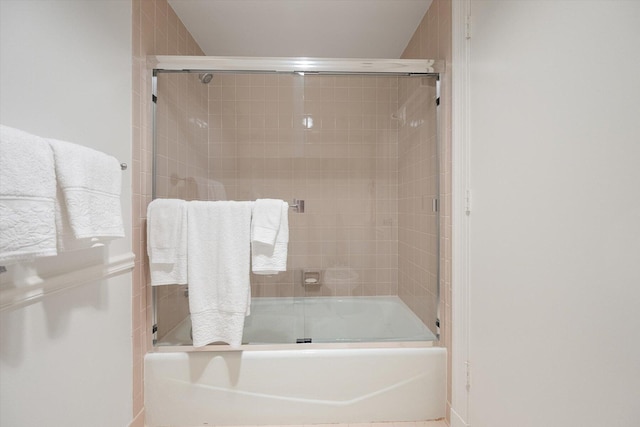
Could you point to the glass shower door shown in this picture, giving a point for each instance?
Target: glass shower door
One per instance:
(361, 151)
(370, 180)
(418, 197)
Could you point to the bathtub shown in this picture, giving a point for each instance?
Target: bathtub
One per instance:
(340, 377)
(322, 320)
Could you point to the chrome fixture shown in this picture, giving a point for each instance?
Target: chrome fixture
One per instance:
(310, 277)
(205, 78)
(297, 205)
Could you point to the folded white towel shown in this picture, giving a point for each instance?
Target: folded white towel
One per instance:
(27, 196)
(90, 183)
(219, 236)
(270, 259)
(167, 241)
(67, 240)
(266, 220)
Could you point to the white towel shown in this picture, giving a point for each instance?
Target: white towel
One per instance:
(167, 241)
(67, 240)
(27, 197)
(90, 184)
(265, 221)
(218, 266)
(270, 259)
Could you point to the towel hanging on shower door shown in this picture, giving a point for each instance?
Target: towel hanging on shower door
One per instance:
(218, 267)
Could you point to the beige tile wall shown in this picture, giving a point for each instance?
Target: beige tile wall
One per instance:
(432, 39)
(156, 30)
(183, 150)
(331, 141)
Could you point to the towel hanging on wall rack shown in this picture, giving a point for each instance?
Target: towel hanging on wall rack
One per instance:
(83, 209)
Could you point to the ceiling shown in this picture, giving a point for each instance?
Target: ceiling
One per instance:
(299, 28)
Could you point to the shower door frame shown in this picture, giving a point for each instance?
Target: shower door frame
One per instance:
(301, 66)
(200, 64)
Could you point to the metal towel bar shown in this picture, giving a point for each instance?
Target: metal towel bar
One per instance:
(298, 205)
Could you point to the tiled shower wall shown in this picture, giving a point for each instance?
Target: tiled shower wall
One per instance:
(432, 39)
(330, 140)
(182, 135)
(156, 30)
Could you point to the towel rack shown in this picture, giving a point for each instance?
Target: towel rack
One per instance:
(298, 205)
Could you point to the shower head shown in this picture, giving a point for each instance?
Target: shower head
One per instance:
(205, 78)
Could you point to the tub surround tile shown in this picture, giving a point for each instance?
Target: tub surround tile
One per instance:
(328, 148)
(156, 30)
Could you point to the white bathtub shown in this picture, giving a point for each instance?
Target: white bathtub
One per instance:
(296, 383)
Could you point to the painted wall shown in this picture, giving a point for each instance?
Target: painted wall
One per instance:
(555, 221)
(65, 72)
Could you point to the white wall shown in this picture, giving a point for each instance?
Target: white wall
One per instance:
(65, 72)
(555, 222)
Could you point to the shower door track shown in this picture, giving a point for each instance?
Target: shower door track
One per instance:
(198, 64)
